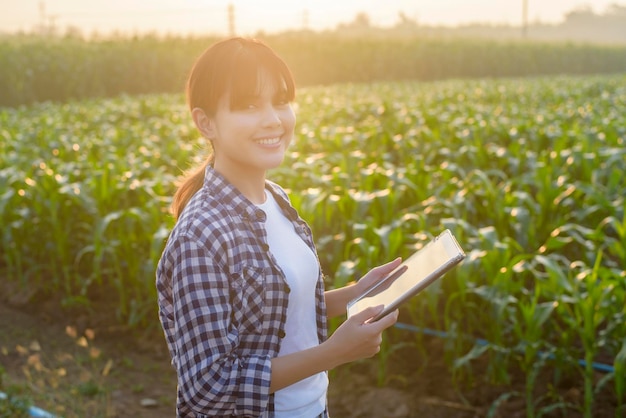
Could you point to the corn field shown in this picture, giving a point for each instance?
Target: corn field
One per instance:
(527, 173)
(36, 69)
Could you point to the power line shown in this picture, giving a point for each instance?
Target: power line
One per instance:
(231, 19)
(46, 23)
(524, 18)
(135, 13)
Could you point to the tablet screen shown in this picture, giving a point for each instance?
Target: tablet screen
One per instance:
(413, 275)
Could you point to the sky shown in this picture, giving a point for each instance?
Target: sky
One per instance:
(251, 16)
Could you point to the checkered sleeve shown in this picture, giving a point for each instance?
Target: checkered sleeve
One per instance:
(213, 379)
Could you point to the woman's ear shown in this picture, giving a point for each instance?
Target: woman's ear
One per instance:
(203, 123)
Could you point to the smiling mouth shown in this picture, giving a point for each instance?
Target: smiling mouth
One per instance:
(268, 141)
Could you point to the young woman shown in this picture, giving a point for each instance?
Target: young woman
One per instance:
(240, 291)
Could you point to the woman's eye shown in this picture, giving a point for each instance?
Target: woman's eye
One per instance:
(281, 102)
(245, 106)
(280, 98)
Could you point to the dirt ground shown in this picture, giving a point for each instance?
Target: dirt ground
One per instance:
(72, 367)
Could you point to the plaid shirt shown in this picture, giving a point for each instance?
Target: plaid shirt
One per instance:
(223, 301)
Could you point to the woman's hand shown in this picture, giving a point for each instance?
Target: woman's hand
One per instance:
(357, 338)
(337, 299)
(375, 275)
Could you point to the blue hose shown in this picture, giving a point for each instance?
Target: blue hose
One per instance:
(479, 341)
(33, 411)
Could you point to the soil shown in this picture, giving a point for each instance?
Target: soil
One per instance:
(72, 365)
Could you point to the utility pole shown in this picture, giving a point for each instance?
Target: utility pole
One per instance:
(47, 22)
(231, 19)
(524, 19)
(42, 17)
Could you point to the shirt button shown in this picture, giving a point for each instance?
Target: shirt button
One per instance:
(288, 289)
(259, 214)
(281, 333)
(265, 247)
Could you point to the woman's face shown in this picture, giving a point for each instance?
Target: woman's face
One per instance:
(252, 136)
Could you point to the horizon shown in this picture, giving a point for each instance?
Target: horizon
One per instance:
(194, 17)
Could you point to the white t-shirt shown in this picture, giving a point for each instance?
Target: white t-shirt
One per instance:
(306, 398)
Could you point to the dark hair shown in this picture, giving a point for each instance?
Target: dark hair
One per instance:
(230, 66)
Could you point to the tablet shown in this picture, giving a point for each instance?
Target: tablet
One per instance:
(412, 276)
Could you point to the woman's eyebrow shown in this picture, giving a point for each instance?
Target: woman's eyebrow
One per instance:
(248, 97)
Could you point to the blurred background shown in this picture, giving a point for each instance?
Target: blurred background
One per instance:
(599, 21)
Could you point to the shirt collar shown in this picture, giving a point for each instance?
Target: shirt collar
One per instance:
(228, 195)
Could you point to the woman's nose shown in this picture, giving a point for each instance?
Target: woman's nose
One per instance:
(271, 116)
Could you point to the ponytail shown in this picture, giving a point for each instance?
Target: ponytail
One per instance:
(191, 183)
